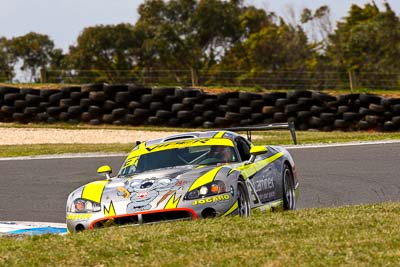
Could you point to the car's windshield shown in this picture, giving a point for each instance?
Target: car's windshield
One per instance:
(196, 155)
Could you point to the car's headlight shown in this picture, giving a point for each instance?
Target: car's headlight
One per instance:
(80, 205)
(214, 188)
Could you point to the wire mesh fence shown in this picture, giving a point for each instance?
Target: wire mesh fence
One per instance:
(317, 80)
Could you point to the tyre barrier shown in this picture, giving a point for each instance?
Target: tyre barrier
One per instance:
(190, 107)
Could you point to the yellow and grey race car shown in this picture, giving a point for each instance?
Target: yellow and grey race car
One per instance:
(188, 176)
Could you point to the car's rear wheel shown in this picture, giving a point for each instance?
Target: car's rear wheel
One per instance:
(243, 200)
(289, 200)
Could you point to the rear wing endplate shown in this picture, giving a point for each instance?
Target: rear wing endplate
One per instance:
(273, 126)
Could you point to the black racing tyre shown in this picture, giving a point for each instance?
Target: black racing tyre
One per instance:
(109, 105)
(172, 99)
(377, 108)
(210, 102)
(92, 87)
(257, 117)
(163, 92)
(86, 117)
(20, 104)
(389, 126)
(185, 114)
(343, 109)
(20, 117)
(296, 94)
(76, 96)
(223, 109)
(141, 112)
(164, 114)
(281, 102)
(31, 110)
(396, 108)
(291, 108)
(122, 97)
(53, 111)
(10, 98)
(351, 116)
(304, 115)
(119, 112)
(97, 96)
(42, 117)
(370, 99)
(74, 110)
(209, 115)
(233, 102)
(323, 97)
(146, 99)
(133, 105)
(33, 99)
(69, 90)
(222, 122)
(7, 109)
(315, 122)
(198, 120)
(64, 116)
(257, 104)
(270, 98)
(25, 91)
(46, 93)
(154, 106)
(233, 116)
(153, 120)
(66, 103)
(245, 110)
(54, 99)
(208, 124)
(289, 198)
(340, 124)
(199, 108)
(190, 101)
(372, 119)
(94, 110)
(173, 122)
(8, 90)
(396, 120)
(316, 110)
(269, 110)
(327, 116)
(243, 200)
(280, 117)
(177, 107)
(306, 101)
(94, 122)
(108, 118)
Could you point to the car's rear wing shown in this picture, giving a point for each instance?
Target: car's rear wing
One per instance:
(273, 126)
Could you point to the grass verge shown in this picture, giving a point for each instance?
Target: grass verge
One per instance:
(347, 236)
(272, 138)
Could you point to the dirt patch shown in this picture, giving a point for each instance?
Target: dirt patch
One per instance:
(26, 136)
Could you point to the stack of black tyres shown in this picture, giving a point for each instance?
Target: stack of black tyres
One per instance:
(124, 104)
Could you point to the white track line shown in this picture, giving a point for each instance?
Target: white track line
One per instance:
(105, 155)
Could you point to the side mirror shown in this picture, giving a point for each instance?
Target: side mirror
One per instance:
(105, 171)
(255, 151)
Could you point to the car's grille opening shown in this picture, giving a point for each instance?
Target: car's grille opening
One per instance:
(145, 218)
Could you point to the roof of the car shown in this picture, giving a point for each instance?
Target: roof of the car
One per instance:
(192, 136)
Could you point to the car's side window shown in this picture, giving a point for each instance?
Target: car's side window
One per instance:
(243, 148)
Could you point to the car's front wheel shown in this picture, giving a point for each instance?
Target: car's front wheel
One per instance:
(289, 200)
(243, 200)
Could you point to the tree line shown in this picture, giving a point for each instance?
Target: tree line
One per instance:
(215, 42)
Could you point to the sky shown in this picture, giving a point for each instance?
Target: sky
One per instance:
(63, 20)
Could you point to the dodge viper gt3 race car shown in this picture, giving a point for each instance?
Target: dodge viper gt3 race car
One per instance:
(188, 176)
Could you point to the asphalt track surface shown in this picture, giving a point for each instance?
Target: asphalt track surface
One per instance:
(36, 189)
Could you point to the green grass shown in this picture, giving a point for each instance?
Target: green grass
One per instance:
(346, 236)
(271, 138)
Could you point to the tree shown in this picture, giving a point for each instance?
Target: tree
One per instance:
(104, 49)
(279, 49)
(33, 50)
(189, 34)
(6, 61)
(367, 41)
